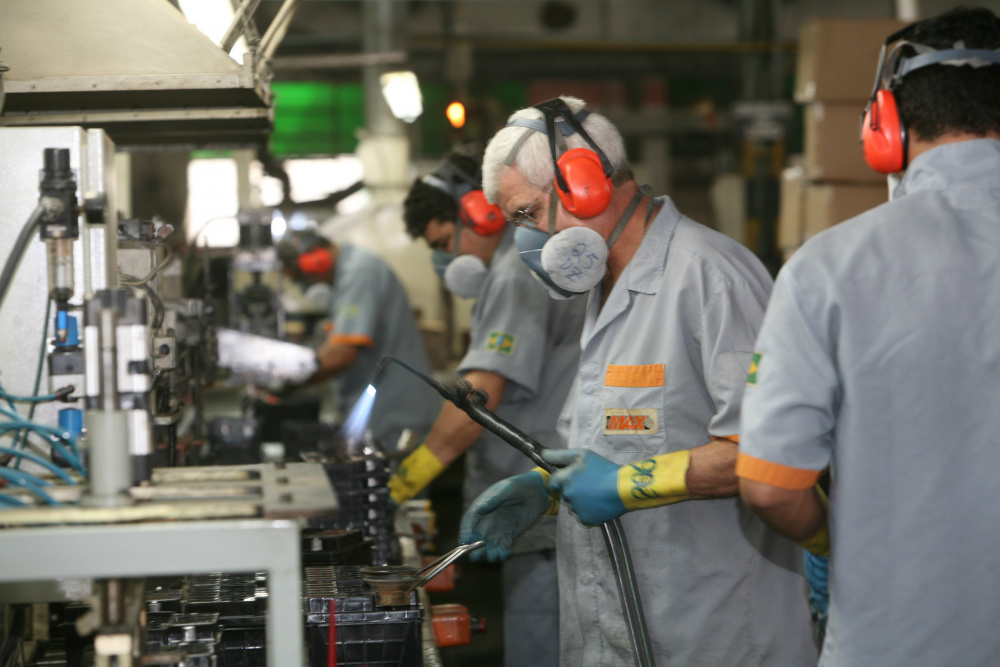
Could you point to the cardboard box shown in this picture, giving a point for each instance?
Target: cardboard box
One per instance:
(833, 146)
(837, 58)
(791, 211)
(827, 204)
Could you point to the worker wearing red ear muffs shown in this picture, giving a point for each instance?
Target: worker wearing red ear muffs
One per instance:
(878, 358)
(672, 311)
(523, 352)
(371, 317)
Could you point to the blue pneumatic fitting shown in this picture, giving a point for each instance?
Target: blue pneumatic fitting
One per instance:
(66, 323)
(71, 421)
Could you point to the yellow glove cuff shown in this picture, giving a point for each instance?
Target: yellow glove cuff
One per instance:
(819, 543)
(553, 509)
(653, 482)
(415, 472)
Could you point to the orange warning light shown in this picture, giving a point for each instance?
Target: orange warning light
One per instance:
(456, 114)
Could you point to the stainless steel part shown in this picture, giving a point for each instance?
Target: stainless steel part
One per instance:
(169, 548)
(628, 592)
(394, 583)
(110, 468)
(435, 568)
(107, 335)
(263, 361)
(241, 16)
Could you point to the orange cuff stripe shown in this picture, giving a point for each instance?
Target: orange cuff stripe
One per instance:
(775, 474)
(731, 438)
(634, 376)
(360, 340)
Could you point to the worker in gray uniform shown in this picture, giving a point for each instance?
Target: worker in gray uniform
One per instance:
(673, 312)
(370, 317)
(879, 357)
(523, 352)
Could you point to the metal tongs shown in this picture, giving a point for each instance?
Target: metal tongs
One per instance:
(435, 568)
(394, 583)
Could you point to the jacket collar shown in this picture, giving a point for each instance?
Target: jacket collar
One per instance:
(645, 272)
(973, 163)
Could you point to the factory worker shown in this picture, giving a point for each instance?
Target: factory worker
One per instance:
(370, 317)
(672, 314)
(879, 352)
(523, 352)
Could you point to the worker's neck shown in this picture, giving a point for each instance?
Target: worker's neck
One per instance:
(624, 249)
(917, 146)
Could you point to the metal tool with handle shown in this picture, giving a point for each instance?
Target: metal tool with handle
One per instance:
(473, 402)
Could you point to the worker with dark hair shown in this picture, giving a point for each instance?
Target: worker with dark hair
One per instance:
(370, 317)
(523, 352)
(878, 357)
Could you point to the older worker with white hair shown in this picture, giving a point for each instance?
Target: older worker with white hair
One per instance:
(673, 312)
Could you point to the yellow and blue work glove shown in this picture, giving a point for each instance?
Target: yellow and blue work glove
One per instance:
(819, 544)
(415, 472)
(599, 490)
(504, 511)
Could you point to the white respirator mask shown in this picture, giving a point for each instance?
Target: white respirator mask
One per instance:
(319, 295)
(571, 262)
(463, 275)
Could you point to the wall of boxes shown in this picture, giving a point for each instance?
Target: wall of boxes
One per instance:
(835, 72)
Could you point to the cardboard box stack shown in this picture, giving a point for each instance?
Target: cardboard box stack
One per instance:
(835, 72)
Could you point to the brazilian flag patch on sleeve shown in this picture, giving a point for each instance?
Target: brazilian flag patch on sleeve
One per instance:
(752, 376)
(501, 342)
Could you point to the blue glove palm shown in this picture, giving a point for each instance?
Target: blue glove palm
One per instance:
(588, 482)
(501, 513)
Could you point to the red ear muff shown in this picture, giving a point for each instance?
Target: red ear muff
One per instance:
(588, 191)
(478, 214)
(316, 261)
(883, 135)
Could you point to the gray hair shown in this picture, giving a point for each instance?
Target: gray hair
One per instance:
(534, 159)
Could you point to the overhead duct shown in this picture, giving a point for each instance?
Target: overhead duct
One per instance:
(135, 68)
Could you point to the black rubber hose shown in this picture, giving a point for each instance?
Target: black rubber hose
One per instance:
(7, 277)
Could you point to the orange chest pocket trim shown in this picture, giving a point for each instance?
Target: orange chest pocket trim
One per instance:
(649, 375)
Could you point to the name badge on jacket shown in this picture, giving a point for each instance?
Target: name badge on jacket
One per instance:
(631, 422)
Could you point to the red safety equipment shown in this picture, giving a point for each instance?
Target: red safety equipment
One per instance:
(588, 190)
(582, 175)
(883, 134)
(480, 215)
(316, 261)
(474, 211)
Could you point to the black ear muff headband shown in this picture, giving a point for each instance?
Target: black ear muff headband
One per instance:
(452, 180)
(899, 65)
(570, 124)
(556, 107)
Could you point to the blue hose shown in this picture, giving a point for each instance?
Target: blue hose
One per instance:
(54, 436)
(13, 502)
(40, 461)
(28, 399)
(29, 482)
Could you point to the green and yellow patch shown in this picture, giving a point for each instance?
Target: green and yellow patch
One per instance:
(501, 342)
(754, 363)
(349, 311)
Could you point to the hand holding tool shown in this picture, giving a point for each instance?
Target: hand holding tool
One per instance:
(504, 511)
(599, 490)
